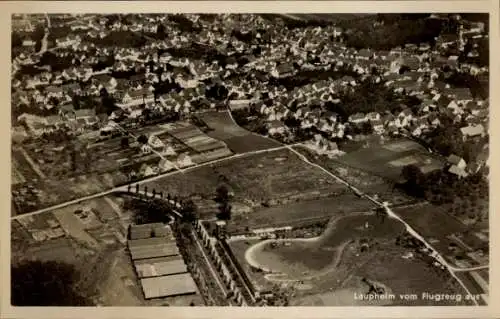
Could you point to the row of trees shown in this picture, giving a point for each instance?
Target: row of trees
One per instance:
(46, 283)
(396, 30)
(443, 188)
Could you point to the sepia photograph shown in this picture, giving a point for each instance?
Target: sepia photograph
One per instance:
(249, 160)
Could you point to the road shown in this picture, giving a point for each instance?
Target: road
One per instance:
(44, 46)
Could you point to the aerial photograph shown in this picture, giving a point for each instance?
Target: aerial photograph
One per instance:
(250, 160)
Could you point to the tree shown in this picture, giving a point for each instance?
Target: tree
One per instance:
(222, 194)
(189, 211)
(125, 143)
(160, 31)
(49, 283)
(142, 139)
(225, 211)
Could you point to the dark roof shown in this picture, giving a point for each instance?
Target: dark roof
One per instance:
(285, 68)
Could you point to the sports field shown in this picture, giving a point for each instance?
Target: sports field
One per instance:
(237, 138)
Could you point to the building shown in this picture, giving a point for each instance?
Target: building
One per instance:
(165, 165)
(166, 286)
(159, 266)
(276, 127)
(472, 131)
(184, 160)
(457, 161)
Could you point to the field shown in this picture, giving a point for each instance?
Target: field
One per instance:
(237, 138)
(261, 180)
(300, 212)
(17, 176)
(328, 270)
(388, 159)
(436, 225)
(365, 181)
(21, 169)
(193, 137)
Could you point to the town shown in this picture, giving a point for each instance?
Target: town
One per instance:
(250, 159)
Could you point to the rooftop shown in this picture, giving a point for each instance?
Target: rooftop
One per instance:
(164, 286)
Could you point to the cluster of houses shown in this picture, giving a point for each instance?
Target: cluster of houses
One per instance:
(286, 53)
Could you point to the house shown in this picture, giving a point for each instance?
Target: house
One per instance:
(473, 107)
(364, 54)
(445, 40)
(472, 131)
(453, 61)
(184, 160)
(146, 170)
(168, 150)
(348, 80)
(54, 91)
(454, 107)
(461, 95)
(165, 165)
(276, 127)
(283, 70)
(239, 104)
(29, 43)
(357, 118)
(378, 126)
(373, 116)
(458, 171)
(433, 119)
(135, 97)
(457, 161)
(105, 81)
(418, 127)
(427, 105)
(331, 116)
(146, 149)
(302, 112)
(155, 142)
(68, 41)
